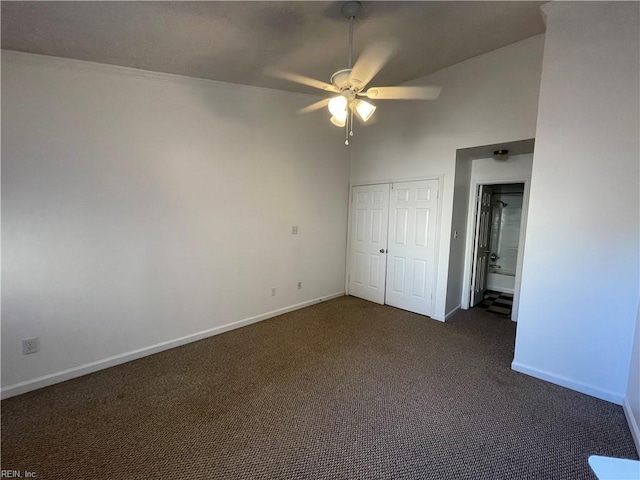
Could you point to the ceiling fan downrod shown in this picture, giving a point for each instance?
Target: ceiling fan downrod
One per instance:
(349, 10)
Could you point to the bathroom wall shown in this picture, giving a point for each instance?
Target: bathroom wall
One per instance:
(505, 236)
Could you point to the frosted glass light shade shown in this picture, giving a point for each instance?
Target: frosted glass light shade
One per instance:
(338, 105)
(340, 119)
(364, 109)
(501, 155)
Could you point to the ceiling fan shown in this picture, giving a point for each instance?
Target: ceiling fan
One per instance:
(350, 83)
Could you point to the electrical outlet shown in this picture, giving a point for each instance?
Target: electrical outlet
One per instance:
(299, 285)
(273, 292)
(30, 345)
(294, 230)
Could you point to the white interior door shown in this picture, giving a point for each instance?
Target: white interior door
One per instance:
(481, 245)
(369, 220)
(411, 265)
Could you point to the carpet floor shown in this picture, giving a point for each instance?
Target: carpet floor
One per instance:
(345, 389)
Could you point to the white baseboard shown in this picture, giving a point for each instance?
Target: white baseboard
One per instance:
(634, 426)
(45, 381)
(609, 396)
(450, 314)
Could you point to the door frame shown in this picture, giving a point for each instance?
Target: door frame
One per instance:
(470, 240)
(439, 178)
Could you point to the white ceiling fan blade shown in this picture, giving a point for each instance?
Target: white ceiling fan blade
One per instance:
(371, 61)
(294, 77)
(403, 93)
(315, 106)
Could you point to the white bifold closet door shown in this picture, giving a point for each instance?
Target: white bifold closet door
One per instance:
(405, 243)
(369, 221)
(411, 252)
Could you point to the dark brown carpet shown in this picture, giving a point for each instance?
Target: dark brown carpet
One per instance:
(345, 389)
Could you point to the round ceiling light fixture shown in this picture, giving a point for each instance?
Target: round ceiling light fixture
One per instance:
(501, 155)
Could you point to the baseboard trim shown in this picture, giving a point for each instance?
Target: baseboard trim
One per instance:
(51, 379)
(451, 313)
(607, 395)
(634, 426)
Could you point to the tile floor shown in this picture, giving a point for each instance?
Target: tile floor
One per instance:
(497, 302)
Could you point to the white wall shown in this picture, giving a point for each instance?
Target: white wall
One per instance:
(458, 235)
(580, 278)
(489, 99)
(141, 208)
(512, 170)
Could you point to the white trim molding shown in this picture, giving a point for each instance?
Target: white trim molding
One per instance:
(51, 379)
(451, 313)
(609, 396)
(634, 426)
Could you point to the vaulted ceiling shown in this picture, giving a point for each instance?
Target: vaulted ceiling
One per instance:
(235, 41)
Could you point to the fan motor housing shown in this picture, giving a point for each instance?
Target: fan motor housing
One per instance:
(350, 9)
(340, 79)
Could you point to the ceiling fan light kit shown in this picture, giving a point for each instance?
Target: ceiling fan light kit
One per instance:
(350, 83)
(364, 109)
(338, 105)
(339, 120)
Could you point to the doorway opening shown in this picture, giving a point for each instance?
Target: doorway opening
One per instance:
(497, 246)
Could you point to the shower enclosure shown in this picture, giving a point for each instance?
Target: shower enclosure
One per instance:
(506, 216)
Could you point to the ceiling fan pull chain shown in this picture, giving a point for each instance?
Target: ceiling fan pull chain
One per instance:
(350, 122)
(346, 132)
